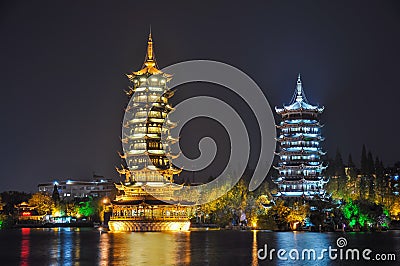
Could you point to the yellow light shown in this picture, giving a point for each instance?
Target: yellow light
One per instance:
(295, 225)
(179, 226)
(254, 224)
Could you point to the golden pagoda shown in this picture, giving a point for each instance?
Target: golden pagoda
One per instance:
(145, 199)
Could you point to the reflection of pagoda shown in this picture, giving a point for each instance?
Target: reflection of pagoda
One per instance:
(144, 201)
(300, 166)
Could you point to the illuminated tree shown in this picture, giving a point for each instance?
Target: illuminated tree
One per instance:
(363, 213)
(1, 204)
(44, 203)
(371, 170)
(395, 209)
(12, 198)
(297, 215)
(280, 212)
(87, 208)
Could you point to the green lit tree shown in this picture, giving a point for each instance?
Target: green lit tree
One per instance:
(87, 208)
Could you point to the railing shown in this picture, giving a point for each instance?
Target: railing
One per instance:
(144, 218)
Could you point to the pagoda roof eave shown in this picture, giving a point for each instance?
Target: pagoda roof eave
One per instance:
(146, 152)
(302, 166)
(148, 71)
(295, 109)
(287, 125)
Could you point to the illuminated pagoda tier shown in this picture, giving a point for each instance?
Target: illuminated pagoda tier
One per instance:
(144, 201)
(300, 166)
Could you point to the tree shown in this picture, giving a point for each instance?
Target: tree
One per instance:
(297, 214)
(340, 174)
(88, 207)
(350, 162)
(12, 198)
(380, 182)
(280, 212)
(370, 164)
(339, 166)
(371, 170)
(352, 180)
(364, 173)
(395, 209)
(330, 171)
(44, 203)
(352, 167)
(56, 195)
(364, 161)
(363, 213)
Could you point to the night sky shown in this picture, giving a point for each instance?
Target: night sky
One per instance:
(63, 64)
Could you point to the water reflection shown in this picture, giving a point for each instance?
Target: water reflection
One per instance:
(25, 246)
(254, 258)
(104, 249)
(77, 246)
(64, 246)
(302, 241)
(153, 248)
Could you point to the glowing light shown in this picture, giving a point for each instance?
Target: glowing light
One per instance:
(129, 226)
(26, 214)
(295, 225)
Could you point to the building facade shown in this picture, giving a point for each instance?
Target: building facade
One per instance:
(143, 202)
(70, 189)
(300, 165)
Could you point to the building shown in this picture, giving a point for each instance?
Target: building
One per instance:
(300, 166)
(144, 200)
(70, 189)
(28, 214)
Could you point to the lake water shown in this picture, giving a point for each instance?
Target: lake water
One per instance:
(86, 246)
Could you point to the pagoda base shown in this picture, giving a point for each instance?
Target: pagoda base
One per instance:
(148, 226)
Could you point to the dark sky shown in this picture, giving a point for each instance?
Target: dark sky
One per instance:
(62, 66)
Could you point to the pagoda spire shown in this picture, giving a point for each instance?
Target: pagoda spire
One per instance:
(150, 60)
(150, 63)
(299, 89)
(150, 47)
